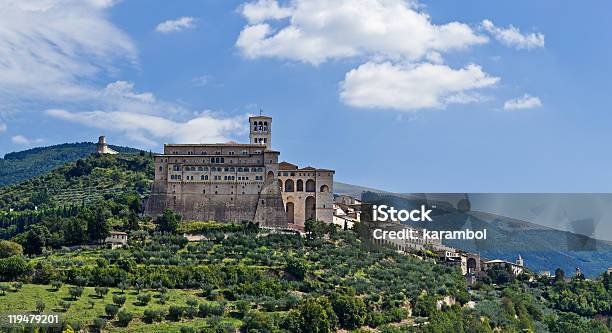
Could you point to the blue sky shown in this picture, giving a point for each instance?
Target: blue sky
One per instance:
(435, 96)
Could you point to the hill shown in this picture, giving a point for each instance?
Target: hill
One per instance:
(18, 166)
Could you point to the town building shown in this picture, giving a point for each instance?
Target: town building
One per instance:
(116, 239)
(516, 267)
(233, 182)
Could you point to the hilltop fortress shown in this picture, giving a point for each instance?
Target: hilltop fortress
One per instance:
(234, 182)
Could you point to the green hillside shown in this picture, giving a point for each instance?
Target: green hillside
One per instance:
(238, 277)
(19, 166)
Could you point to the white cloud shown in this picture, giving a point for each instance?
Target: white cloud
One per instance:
(3, 127)
(202, 80)
(263, 10)
(513, 37)
(319, 30)
(413, 86)
(179, 24)
(51, 49)
(525, 102)
(149, 129)
(22, 140)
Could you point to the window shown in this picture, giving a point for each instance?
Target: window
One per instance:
(245, 152)
(200, 169)
(231, 153)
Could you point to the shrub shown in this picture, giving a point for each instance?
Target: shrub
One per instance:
(125, 317)
(190, 311)
(175, 312)
(40, 306)
(64, 305)
(150, 316)
(98, 324)
(17, 285)
(144, 299)
(119, 299)
(211, 309)
(187, 329)
(111, 310)
(258, 321)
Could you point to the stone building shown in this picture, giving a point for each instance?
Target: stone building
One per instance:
(307, 193)
(103, 148)
(232, 182)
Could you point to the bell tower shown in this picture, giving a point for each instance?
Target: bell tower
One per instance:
(261, 131)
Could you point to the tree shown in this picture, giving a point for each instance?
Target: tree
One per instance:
(119, 299)
(97, 225)
(144, 299)
(125, 317)
(98, 324)
(606, 280)
(9, 249)
(75, 292)
(559, 275)
(101, 291)
(350, 310)
(74, 231)
(257, 321)
(12, 268)
(168, 221)
(297, 267)
(175, 312)
(111, 310)
(36, 239)
(316, 316)
(56, 284)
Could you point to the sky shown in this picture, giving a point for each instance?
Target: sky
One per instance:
(405, 96)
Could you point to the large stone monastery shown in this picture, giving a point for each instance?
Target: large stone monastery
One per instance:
(234, 182)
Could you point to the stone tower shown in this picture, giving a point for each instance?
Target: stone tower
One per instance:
(102, 146)
(261, 131)
(519, 261)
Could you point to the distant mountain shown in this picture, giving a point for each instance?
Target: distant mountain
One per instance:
(543, 248)
(19, 166)
(353, 190)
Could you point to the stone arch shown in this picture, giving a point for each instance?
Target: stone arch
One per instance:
(300, 185)
(324, 188)
(270, 175)
(290, 209)
(288, 185)
(310, 185)
(309, 208)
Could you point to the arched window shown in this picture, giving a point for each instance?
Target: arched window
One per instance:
(300, 185)
(310, 185)
(324, 188)
(288, 185)
(265, 128)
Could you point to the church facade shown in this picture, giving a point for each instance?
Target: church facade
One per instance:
(232, 182)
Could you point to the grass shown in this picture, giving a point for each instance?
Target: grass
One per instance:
(24, 300)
